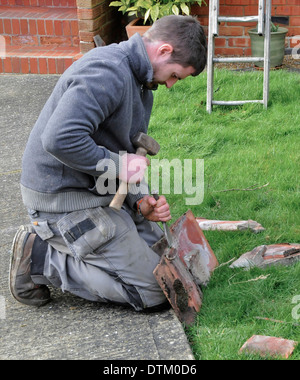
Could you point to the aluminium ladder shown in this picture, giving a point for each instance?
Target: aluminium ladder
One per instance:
(264, 22)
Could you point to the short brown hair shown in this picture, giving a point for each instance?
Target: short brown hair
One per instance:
(187, 37)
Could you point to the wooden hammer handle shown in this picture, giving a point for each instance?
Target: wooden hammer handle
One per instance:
(121, 194)
(119, 197)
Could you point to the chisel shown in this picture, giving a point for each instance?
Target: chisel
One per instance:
(167, 231)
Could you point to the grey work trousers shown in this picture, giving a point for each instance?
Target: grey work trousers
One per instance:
(101, 255)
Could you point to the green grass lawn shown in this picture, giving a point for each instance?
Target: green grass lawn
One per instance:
(241, 146)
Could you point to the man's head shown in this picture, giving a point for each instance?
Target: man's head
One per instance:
(177, 48)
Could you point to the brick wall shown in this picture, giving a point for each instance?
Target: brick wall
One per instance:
(40, 3)
(233, 37)
(96, 17)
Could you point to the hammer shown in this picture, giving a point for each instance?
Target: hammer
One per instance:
(145, 145)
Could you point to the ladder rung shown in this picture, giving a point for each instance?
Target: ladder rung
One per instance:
(238, 19)
(263, 20)
(238, 59)
(235, 102)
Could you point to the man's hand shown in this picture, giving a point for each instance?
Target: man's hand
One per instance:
(133, 168)
(155, 211)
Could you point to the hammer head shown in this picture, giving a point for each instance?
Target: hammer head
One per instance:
(141, 140)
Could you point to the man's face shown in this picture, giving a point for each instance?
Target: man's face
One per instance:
(168, 74)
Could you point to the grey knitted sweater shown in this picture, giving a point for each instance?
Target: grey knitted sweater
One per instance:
(94, 111)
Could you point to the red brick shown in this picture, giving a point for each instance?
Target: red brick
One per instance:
(24, 26)
(197, 10)
(49, 27)
(237, 2)
(87, 36)
(15, 26)
(52, 65)
(43, 67)
(87, 3)
(16, 64)
(242, 24)
(239, 42)
(278, 2)
(74, 28)
(267, 345)
(58, 30)
(24, 40)
(41, 27)
(60, 65)
(89, 13)
(203, 20)
(61, 41)
(231, 31)
(7, 65)
(288, 10)
(294, 31)
(1, 65)
(87, 25)
(32, 26)
(7, 26)
(295, 21)
(25, 65)
(251, 10)
(220, 42)
(66, 26)
(1, 26)
(228, 51)
(232, 11)
(34, 69)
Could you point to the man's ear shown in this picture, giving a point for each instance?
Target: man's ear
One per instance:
(165, 50)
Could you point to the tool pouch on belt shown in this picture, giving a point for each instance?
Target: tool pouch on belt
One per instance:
(85, 231)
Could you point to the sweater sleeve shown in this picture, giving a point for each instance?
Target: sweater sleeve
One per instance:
(89, 97)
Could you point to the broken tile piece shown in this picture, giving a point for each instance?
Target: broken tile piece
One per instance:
(267, 255)
(227, 225)
(193, 248)
(268, 345)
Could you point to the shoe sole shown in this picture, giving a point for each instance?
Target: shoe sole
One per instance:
(17, 246)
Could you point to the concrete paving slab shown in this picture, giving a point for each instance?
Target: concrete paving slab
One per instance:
(68, 327)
